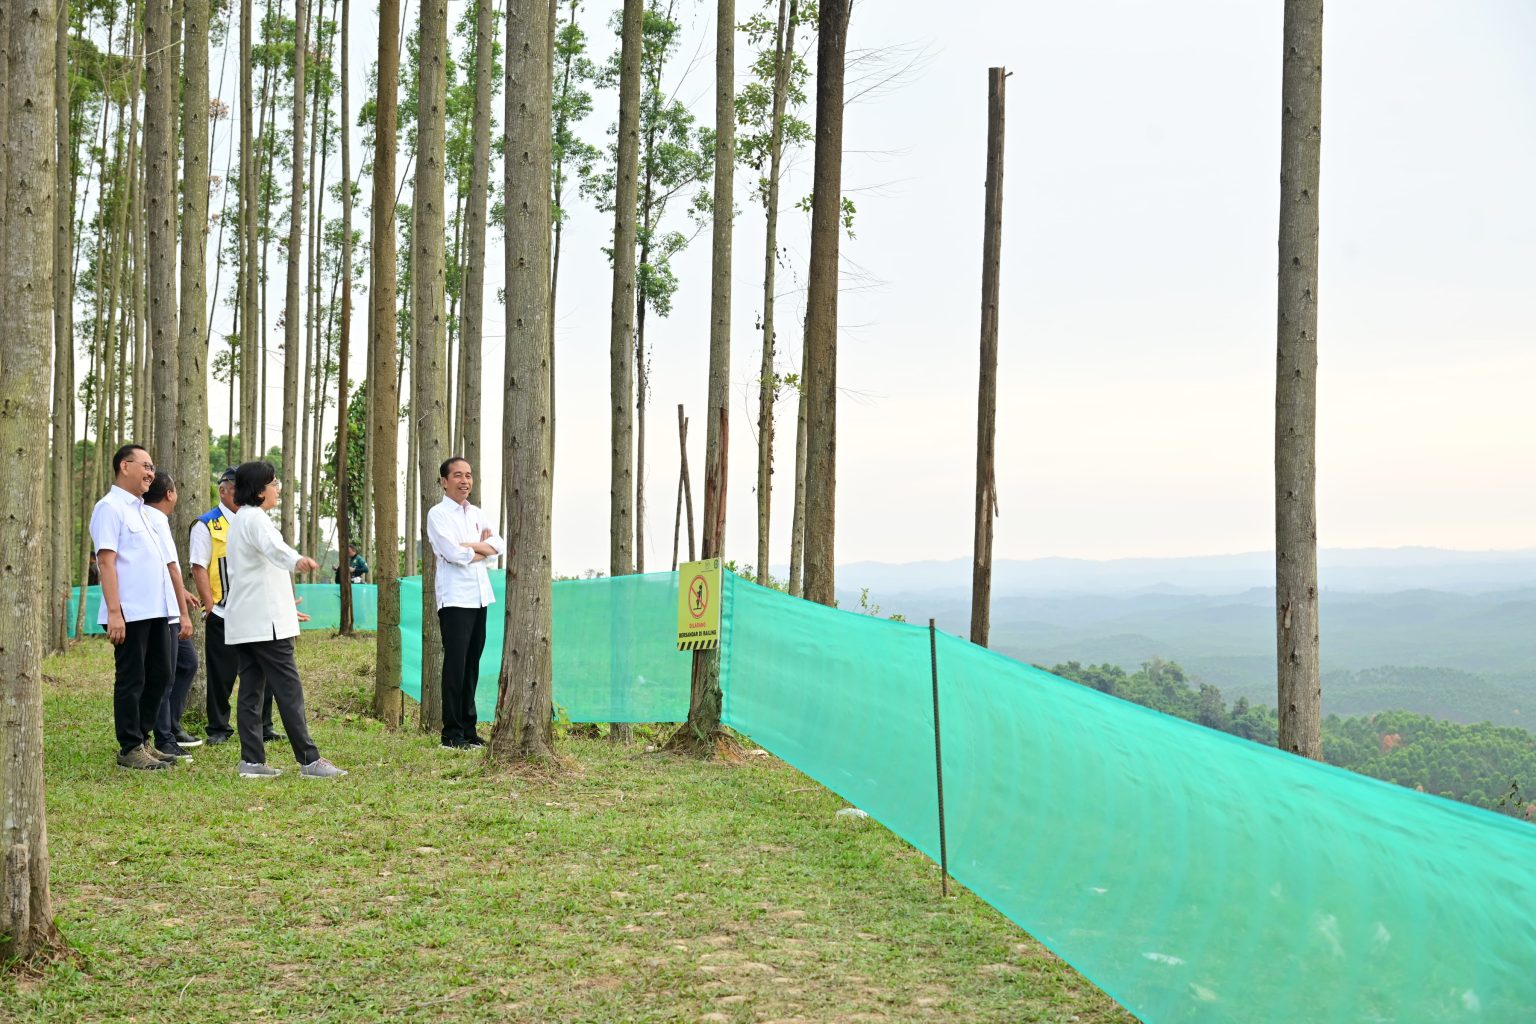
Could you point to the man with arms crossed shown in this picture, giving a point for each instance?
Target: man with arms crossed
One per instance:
(210, 534)
(461, 541)
(137, 605)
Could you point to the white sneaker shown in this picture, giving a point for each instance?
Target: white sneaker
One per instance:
(320, 768)
(257, 771)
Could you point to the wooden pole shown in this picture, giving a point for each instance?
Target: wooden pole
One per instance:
(986, 397)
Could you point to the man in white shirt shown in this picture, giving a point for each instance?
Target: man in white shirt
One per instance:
(137, 604)
(170, 737)
(462, 540)
(210, 574)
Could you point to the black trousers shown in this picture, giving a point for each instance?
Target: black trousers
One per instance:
(223, 666)
(463, 631)
(144, 669)
(168, 719)
(268, 670)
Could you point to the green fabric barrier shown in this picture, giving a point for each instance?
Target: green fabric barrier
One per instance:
(1192, 875)
(320, 601)
(644, 679)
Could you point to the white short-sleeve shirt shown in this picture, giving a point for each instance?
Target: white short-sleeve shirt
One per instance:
(121, 523)
(162, 524)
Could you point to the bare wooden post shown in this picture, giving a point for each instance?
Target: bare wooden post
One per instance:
(986, 393)
(682, 476)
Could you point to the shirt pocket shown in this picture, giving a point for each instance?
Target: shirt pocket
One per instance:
(136, 525)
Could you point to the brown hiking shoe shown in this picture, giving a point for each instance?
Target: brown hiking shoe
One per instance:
(140, 759)
(158, 755)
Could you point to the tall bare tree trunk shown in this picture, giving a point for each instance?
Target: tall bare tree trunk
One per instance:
(684, 491)
(343, 481)
(292, 320)
(821, 307)
(474, 285)
(250, 324)
(192, 412)
(797, 521)
(621, 334)
(704, 702)
(383, 384)
(986, 390)
(160, 209)
(429, 414)
(26, 364)
(61, 503)
(767, 384)
(525, 697)
(1296, 595)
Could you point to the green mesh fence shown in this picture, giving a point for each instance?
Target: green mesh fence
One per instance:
(320, 601)
(1192, 875)
(643, 679)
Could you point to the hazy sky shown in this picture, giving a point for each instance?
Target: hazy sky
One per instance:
(1138, 299)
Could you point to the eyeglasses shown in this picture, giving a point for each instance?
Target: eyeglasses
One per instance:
(149, 466)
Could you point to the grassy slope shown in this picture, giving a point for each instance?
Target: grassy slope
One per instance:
(637, 887)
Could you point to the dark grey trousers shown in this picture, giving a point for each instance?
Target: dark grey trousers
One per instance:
(268, 665)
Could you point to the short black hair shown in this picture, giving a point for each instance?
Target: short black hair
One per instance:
(442, 471)
(121, 456)
(162, 486)
(352, 548)
(250, 480)
(228, 476)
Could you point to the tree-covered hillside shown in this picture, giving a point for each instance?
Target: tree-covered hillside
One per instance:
(1485, 765)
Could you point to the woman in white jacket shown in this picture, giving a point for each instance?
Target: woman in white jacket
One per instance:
(260, 621)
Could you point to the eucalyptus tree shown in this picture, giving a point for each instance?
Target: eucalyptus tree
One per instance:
(675, 158)
(525, 697)
(251, 347)
(61, 505)
(27, 191)
(1296, 594)
(621, 323)
(292, 459)
(483, 78)
(160, 225)
(705, 698)
(429, 414)
(383, 382)
(192, 390)
(570, 155)
(827, 212)
(765, 108)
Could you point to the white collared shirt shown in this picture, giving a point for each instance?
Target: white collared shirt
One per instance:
(120, 523)
(162, 525)
(200, 550)
(462, 582)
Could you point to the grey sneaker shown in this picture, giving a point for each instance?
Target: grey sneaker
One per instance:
(257, 771)
(140, 759)
(320, 768)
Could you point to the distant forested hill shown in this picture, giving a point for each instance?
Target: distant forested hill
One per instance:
(1485, 765)
(1463, 657)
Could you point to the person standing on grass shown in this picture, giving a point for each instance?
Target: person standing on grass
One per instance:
(137, 605)
(170, 737)
(210, 534)
(461, 541)
(261, 621)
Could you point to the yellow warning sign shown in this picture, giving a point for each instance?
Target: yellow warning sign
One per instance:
(698, 605)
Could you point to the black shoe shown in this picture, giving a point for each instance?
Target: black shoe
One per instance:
(186, 739)
(456, 745)
(171, 749)
(216, 738)
(474, 743)
(273, 737)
